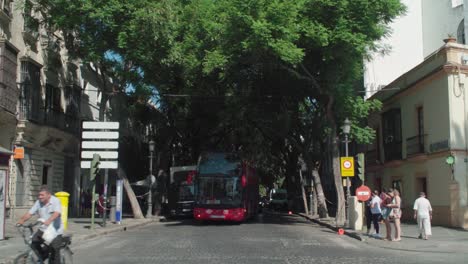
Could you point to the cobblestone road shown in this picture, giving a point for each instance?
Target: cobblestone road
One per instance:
(269, 239)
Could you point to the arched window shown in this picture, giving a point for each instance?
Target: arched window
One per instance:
(461, 32)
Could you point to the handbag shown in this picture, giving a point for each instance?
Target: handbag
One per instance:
(391, 215)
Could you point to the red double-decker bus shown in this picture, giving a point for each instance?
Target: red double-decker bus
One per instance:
(226, 189)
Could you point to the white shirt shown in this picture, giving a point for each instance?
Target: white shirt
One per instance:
(46, 210)
(423, 206)
(375, 205)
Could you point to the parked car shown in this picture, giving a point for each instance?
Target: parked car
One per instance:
(278, 200)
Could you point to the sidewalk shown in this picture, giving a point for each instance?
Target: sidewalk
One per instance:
(79, 228)
(443, 239)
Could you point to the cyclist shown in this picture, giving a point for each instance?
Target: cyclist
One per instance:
(47, 207)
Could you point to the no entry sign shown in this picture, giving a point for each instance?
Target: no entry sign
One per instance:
(363, 193)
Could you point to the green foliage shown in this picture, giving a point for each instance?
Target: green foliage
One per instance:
(258, 75)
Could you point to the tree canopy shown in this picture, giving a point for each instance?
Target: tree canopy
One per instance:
(267, 77)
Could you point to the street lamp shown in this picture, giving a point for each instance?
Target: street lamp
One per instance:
(346, 129)
(149, 212)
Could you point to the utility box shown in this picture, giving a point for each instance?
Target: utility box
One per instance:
(355, 213)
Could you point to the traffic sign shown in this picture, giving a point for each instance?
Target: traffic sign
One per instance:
(100, 125)
(102, 165)
(104, 154)
(100, 138)
(347, 166)
(363, 193)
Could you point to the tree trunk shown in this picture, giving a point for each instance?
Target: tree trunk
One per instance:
(137, 214)
(340, 210)
(321, 201)
(304, 197)
(335, 153)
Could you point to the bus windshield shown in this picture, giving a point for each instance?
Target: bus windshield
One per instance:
(186, 192)
(218, 190)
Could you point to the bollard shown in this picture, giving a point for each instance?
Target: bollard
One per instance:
(112, 203)
(63, 197)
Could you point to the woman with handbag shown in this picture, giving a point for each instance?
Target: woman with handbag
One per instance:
(396, 214)
(386, 212)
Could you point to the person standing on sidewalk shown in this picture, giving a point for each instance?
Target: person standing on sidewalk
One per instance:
(386, 211)
(396, 211)
(376, 212)
(368, 215)
(49, 208)
(423, 214)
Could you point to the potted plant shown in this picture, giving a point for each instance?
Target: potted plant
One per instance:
(450, 39)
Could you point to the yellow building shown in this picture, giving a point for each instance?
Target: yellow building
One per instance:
(423, 122)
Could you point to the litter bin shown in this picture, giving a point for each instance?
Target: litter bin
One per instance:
(63, 197)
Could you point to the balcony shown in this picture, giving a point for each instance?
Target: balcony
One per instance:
(415, 145)
(49, 117)
(392, 150)
(8, 98)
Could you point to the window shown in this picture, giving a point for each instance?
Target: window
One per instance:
(53, 98)
(420, 114)
(391, 121)
(461, 32)
(45, 175)
(73, 99)
(9, 92)
(30, 98)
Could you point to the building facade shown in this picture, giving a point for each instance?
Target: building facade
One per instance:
(421, 125)
(44, 96)
(413, 37)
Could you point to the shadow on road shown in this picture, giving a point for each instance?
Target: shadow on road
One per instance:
(264, 218)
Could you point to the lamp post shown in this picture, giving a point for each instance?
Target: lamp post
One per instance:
(346, 129)
(149, 212)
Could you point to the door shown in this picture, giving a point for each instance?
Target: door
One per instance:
(3, 197)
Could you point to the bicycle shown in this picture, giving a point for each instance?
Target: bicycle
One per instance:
(29, 256)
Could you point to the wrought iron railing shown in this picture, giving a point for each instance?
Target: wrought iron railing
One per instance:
(392, 150)
(48, 117)
(415, 145)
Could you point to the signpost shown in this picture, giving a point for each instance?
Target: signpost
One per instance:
(100, 138)
(118, 202)
(347, 166)
(363, 193)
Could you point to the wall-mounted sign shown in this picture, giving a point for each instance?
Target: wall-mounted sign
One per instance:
(19, 153)
(347, 166)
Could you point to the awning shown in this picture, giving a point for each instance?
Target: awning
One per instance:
(5, 151)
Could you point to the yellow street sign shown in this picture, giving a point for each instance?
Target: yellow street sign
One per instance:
(347, 166)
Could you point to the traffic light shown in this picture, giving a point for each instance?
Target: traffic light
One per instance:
(94, 172)
(360, 166)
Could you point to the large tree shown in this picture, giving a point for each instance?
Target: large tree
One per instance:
(236, 72)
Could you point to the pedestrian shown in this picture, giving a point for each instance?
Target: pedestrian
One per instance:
(48, 208)
(376, 212)
(396, 214)
(423, 214)
(386, 212)
(368, 215)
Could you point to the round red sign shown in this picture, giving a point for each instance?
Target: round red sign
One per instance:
(363, 193)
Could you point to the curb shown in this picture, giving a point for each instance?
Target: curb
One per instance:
(116, 229)
(334, 228)
(78, 240)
